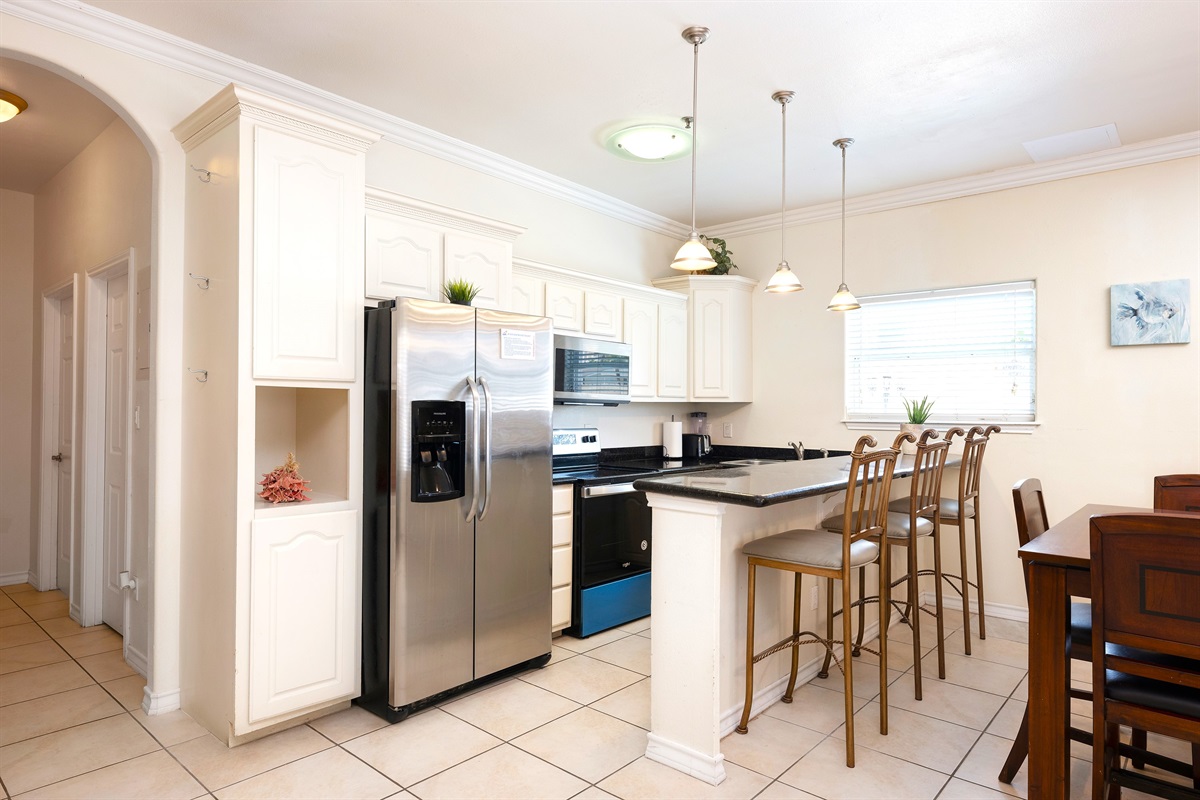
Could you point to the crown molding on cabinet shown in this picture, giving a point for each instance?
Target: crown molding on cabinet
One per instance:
(587, 280)
(141, 41)
(440, 216)
(1168, 148)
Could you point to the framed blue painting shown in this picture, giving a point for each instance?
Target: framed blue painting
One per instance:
(1150, 313)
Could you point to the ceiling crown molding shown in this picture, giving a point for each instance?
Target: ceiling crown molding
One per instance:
(1184, 145)
(141, 41)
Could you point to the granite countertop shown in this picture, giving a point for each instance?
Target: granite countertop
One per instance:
(766, 484)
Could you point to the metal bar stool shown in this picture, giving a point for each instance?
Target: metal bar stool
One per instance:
(919, 519)
(956, 511)
(833, 556)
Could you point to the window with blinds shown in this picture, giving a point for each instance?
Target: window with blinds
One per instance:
(972, 350)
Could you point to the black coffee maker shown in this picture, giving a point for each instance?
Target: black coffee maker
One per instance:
(439, 449)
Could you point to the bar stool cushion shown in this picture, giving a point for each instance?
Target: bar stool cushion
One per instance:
(897, 525)
(1081, 624)
(1181, 700)
(948, 507)
(811, 548)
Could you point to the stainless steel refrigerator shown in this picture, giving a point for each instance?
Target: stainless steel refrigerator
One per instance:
(456, 567)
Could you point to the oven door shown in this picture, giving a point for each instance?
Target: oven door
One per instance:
(612, 558)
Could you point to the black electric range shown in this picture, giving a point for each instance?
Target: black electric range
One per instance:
(612, 541)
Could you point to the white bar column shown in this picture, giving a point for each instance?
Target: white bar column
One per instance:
(685, 629)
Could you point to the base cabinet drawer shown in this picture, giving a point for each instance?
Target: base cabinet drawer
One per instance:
(560, 607)
(560, 559)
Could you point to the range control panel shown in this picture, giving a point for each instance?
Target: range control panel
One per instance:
(575, 441)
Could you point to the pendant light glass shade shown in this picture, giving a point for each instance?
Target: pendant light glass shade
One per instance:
(784, 280)
(843, 299)
(694, 256)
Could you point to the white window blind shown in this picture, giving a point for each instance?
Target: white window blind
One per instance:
(972, 350)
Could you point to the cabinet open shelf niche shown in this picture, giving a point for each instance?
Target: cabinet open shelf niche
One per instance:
(314, 424)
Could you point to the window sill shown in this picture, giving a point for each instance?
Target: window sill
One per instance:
(1023, 427)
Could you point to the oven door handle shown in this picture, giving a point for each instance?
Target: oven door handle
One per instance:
(607, 489)
(475, 449)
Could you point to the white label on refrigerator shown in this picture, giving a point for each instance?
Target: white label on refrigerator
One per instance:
(516, 344)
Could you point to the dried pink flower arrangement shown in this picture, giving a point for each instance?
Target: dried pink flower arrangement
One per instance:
(284, 484)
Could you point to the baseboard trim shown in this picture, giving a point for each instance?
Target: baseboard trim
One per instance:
(138, 660)
(17, 578)
(998, 610)
(161, 702)
(710, 769)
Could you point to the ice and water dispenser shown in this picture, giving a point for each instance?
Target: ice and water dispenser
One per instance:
(439, 446)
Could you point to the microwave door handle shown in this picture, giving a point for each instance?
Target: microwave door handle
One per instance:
(475, 448)
(487, 453)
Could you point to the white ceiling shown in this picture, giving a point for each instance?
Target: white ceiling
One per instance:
(930, 90)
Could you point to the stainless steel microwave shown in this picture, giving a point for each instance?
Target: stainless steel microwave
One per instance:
(590, 371)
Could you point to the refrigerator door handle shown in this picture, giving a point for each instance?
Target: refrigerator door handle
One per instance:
(474, 450)
(487, 453)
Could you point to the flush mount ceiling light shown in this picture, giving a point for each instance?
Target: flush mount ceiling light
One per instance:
(10, 105)
(694, 256)
(651, 142)
(784, 280)
(843, 300)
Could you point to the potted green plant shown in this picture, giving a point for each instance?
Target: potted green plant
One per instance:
(917, 412)
(460, 292)
(721, 254)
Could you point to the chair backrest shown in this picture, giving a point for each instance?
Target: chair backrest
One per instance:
(972, 463)
(1177, 492)
(867, 493)
(924, 497)
(1146, 594)
(1030, 506)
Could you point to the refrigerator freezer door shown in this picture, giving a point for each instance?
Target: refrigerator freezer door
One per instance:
(433, 553)
(515, 365)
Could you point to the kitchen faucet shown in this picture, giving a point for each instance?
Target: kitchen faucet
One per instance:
(799, 448)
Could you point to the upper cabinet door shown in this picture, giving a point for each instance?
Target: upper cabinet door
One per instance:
(602, 315)
(487, 263)
(672, 351)
(564, 305)
(308, 222)
(641, 334)
(403, 258)
(528, 295)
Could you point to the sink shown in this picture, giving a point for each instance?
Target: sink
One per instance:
(751, 462)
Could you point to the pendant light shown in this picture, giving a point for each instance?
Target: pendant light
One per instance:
(843, 299)
(694, 256)
(784, 280)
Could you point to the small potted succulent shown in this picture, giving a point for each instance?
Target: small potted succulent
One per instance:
(917, 412)
(460, 292)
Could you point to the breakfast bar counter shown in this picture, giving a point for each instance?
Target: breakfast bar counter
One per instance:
(698, 597)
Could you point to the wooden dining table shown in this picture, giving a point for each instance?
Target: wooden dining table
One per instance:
(1059, 567)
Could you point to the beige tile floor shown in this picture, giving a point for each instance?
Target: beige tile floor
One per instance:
(71, 726)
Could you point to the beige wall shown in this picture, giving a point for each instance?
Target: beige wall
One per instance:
(16, 376)
(95, 208)
(1111, 417)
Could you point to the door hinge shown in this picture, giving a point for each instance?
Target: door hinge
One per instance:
(57, 457)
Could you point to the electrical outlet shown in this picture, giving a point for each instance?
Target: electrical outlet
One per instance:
(814, 598)
(727, 430)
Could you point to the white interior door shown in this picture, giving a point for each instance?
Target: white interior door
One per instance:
(66, 389)
(116, 401)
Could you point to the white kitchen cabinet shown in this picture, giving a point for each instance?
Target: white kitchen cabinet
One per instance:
(304, 635)
(720, 349)
(413, 247)
(273, 219)
(672, 345)
(528, 295)
(308, 210)
(602, 314)
(403, 258)
(641, 334)
(562, 534)
(564, 305)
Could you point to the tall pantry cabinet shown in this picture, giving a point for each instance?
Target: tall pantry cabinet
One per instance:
(272, 343)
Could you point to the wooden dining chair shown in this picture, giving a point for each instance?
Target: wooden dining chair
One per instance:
(1145, 572)
(833, 556)
(1177, 492)
(1030, 506)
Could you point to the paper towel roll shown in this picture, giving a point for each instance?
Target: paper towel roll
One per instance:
(673, 439)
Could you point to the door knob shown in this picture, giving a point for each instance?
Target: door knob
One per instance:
(56, 457)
